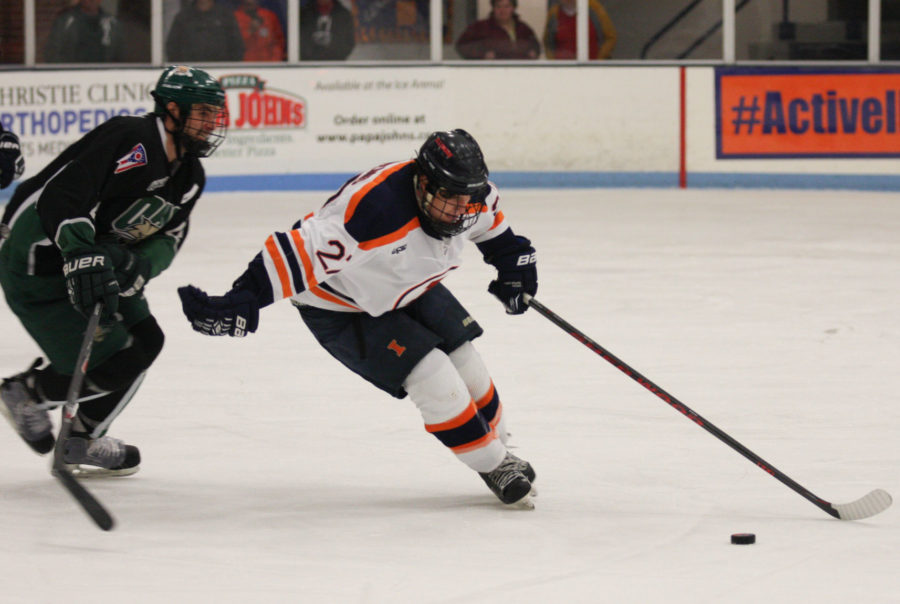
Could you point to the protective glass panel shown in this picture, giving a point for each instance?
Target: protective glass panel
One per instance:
(777, 30)
(890, 30)
(673, 29)
(12, 32)
(92, 31)
(390, 30)
(204, 31)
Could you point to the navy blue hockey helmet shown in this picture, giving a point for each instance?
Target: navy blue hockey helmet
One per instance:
(453, 164)
(453, 161)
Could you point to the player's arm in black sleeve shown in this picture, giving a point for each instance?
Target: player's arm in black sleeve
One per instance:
(65, 204)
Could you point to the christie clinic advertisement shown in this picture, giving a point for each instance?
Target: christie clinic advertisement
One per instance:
(277, 117)
(304, 122)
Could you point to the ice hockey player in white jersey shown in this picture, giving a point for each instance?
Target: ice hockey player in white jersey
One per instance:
(365, 273)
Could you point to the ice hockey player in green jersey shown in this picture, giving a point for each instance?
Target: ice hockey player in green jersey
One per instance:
(94, 226)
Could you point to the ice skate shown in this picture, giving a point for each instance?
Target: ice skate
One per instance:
(100, 457)
(20, 407)
(510, 481)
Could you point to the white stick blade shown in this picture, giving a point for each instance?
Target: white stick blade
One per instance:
(874, 503)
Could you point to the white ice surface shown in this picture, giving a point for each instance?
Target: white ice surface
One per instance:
(272, 474)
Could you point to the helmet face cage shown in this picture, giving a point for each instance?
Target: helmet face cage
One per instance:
(453, 165)
(438, 211)
(202, 123)
(203, 129)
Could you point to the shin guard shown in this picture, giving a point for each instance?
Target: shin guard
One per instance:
(443, 399)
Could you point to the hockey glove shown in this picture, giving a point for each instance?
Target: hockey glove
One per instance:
(90, 279)
(234, 314)
(12, 164)
(132, 270)
(516, 275)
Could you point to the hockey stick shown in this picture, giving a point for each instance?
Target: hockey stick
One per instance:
(84, 498)
(873, 503)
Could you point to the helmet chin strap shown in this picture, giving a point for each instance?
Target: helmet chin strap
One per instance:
(177, 134)
(427, 196)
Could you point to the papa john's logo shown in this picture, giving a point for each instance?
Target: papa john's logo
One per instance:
(253, 106)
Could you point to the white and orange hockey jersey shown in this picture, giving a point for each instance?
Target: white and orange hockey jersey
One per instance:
(366, 250)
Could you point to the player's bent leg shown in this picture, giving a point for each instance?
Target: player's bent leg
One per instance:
(401, 354)
(89, 451)
(450, 414)
(478, 381)
(475, 374)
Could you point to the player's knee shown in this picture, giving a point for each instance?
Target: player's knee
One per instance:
(151, 338)
(436, 388)
(122, 368)
(472, 369)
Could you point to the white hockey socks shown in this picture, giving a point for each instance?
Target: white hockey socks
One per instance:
(477, 379)
(441, 395)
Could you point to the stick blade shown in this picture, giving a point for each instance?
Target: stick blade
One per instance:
(874, 503)
(88, 502)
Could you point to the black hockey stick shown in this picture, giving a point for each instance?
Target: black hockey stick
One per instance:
(84, 498)
(873, 503)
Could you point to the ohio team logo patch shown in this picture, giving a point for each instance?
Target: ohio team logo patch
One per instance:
(133, 159)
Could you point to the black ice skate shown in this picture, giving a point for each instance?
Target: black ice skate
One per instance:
(511, 481)
(21, 408)
(104, 456)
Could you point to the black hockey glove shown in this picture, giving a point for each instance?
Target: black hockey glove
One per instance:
(132, 270)
(234, 314)
(516, 275)
(12, 164)
(90, 279)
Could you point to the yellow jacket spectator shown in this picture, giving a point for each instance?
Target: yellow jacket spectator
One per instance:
(560, 32)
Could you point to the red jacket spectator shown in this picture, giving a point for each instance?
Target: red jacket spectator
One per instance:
(501, 36)
(261, 29)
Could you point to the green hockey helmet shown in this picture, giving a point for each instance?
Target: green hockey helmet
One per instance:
(187, 87)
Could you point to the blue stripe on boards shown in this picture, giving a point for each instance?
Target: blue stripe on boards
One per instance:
(572, 180)
(588, 180)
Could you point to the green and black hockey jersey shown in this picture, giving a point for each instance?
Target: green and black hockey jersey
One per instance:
(114, 185)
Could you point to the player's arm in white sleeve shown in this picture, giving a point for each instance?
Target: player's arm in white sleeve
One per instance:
(288, 264)
(512, 255)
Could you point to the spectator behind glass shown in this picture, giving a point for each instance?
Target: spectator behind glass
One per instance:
(560, 36)
(204, 31)
(84, 33)
(134, 18)
(327, 32)
(263, 37)
(501, 36)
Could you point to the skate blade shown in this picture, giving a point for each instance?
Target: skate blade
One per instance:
(525, 503)
(91, 472)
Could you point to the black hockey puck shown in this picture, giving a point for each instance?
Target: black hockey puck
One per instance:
(743, 538)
